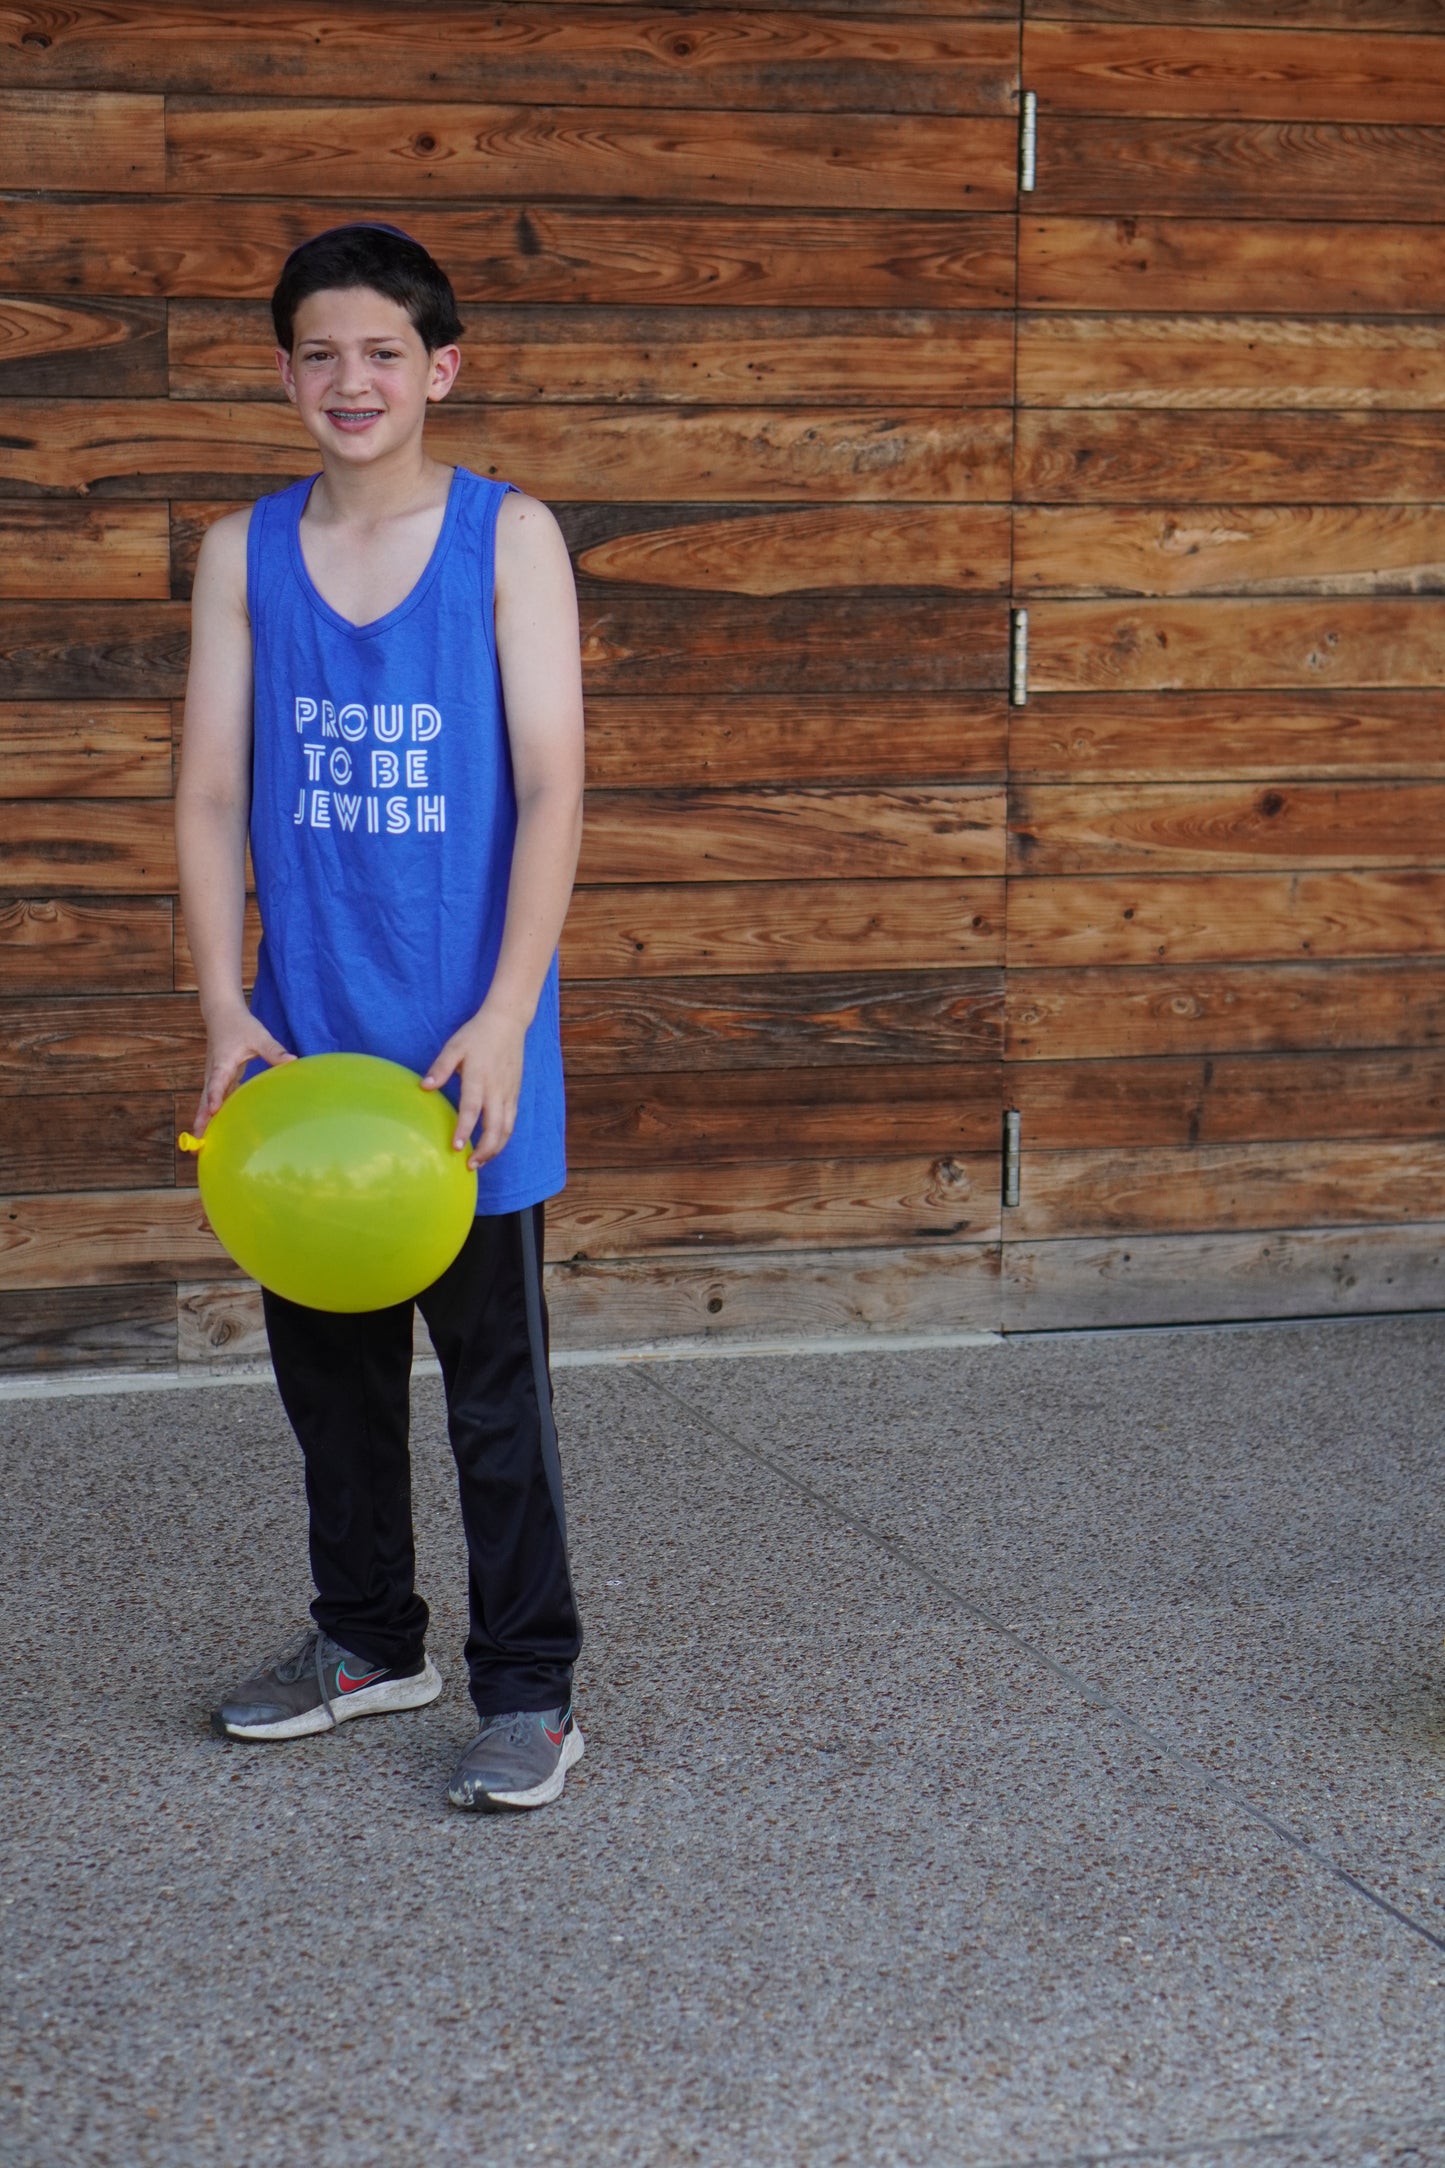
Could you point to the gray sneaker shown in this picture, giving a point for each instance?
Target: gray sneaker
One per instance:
(317, 1685)
(519, 1760)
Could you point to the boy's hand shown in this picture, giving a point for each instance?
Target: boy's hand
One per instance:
(229, 1047)
(487, 1055)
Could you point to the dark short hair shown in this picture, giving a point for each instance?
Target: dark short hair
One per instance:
(381, 257)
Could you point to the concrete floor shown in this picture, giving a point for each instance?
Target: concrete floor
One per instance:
(1028, 1754)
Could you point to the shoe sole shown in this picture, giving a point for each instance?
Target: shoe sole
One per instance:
(541, 1795)
(387, 1698)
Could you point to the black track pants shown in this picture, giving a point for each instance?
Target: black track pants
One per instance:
(344, 1382)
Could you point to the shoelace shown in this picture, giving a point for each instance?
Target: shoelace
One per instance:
(516, 1722)
(321, 1676)
(289, 1662)
(315, 1649)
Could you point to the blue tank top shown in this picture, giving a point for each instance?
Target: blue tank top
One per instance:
(383, 816)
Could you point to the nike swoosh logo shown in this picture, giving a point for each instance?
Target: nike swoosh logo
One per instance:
(556, 1737)
(348, 1685)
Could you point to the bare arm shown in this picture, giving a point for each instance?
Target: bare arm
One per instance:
(538, 648)
(213, 802)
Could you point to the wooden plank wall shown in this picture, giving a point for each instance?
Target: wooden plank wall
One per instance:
(1226, 915)
(740, 287)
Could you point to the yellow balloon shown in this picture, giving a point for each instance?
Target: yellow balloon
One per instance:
(333, 1181)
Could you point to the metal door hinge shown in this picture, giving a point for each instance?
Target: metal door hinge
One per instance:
(1028, 142)
(1012, 1144)
(1018, 688)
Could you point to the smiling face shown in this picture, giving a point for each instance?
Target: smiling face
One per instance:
(360, 376)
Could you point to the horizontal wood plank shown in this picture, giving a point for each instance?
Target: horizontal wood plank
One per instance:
(121, 847)
(1241, 549)
(60, 945)
(1422, 15)
(1202, 360)
(63, 748)
(1293, 267)
(807, 926)
(691, 1119)
(1192, 646)
(807, 1204)
(100, 551)
(179, 448)
(1230, 459)
(76, 1238)
(647, 356)
(1242, 168)
(93, 651)
(1148, 737)
(1103, 1015)
(1226, 1099)
(898, 162)
(744, 550)
(1219, 1278)
(598, 254)
(91, 1328)
(1223, 917)
(944, 1287)
(771, 835)
(794, 738)
(698, 1118)
(619, 933)
(1222, 827)
(1228, 1187)
(717, 644)
(1264, 73)
(65, 348)
(695, 740)
(718, 1025)
(732, 1296)
(95, 139)
(94, 1238)
(86, 1141)
(800, 58)
(124, 1042)
(771, 552)
(848, 643)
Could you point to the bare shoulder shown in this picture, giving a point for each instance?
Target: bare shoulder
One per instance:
(529, 540)
(221, 565)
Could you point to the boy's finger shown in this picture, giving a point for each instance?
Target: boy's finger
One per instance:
(442, 1070)
(488, 1143)
(495, 1132)
(469, 1113)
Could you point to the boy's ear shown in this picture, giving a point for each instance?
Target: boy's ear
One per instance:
(445, 362)
(286, 373)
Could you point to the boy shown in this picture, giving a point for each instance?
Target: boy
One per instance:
(385, 689)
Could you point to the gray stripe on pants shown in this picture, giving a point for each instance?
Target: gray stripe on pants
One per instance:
(532, 1288)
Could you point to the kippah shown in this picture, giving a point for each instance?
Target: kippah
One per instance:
(367, 225)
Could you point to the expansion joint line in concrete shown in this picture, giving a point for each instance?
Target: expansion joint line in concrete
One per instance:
(1095, 1696)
